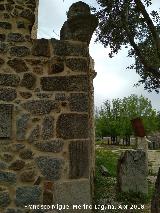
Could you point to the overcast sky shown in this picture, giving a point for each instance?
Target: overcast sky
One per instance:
(112, 80)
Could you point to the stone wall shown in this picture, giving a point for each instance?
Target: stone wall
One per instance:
(46, 115)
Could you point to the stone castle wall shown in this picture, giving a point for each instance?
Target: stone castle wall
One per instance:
(46, 110)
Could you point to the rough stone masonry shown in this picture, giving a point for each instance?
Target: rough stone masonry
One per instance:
(46, 110)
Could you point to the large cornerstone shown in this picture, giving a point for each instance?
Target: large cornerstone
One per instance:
(46, 111)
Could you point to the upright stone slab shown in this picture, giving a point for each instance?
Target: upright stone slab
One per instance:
(132, 172)
(155, 204)
(74, 194)
(5, 121)
(79, 159)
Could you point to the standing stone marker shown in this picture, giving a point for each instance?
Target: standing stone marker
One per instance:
(5, 121)
(155, 204)
(132, 172)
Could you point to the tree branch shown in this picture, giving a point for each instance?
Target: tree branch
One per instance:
(150, 24)
(148, 68)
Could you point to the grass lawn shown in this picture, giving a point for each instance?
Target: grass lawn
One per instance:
(105, 187)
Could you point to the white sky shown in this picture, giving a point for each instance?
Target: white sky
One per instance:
(112, 80)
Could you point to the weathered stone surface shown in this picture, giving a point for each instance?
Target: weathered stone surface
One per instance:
(132, 172)
(36, 62)
(26, 154)
(28, 195)
(43, 95)
(2, 37)
(5, 147)
(155, 204)
(2, 8)
(3, 165)
(28, 38)
(34, 135)
(41, 47)
(6, 16)
(79, 159)
(11, 80)
(21, 126)
(10, 210)
(78, 8)
(47, 198)
(72, 193)
(17, 165)
(50, 167)
(7, 94)
(3, 48)
(104, 171)
(9, 7)
(48, 193)
(7, 157)
(28, 81)
(65, 83)
(65, 48)
(18, 65)
(28, 14)
(40, 107)
(60, 97)
(26, 95)
(6, 120)
(80, 24)
(7, 177)
(17, 147)
(77, 29)
(78, 102)
(56, 65)
(20, 24)
(78, 64)
(28, 175)
(47, 127)
(1, 62)
(4, 199)
(72, 126)
(15, 37)
(19, 51)
(5, 25)
(64, 104)
(55, 145)
(2, 188)
(38, 70)
(36, 119)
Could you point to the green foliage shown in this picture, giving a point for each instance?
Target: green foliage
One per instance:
(128, 23)
(136, 198)
(114, 119)
(102, 184)
(108, 159)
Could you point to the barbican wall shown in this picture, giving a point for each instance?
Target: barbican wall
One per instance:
(46, 109)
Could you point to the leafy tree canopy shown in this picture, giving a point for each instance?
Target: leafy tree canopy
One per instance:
(128, 22)
(114, 118)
